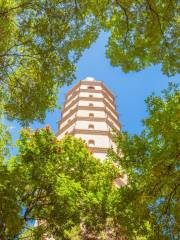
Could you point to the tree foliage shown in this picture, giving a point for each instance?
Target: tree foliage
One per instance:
(143, 33)
(59, 184)
(149, 205)
(41, 42)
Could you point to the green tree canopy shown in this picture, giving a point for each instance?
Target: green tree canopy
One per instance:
(149, 205)
(144, 33)
(41, 41)
(58, 183)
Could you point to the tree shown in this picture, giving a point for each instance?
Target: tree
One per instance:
(144, 33)
(8, 188)
(41, 42)
(148, 206)
(58, 183)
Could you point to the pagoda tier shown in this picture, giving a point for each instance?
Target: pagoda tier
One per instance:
(89, 113)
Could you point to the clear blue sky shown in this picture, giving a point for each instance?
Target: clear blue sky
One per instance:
(130, 89)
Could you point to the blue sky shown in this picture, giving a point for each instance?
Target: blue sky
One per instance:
(129, 89)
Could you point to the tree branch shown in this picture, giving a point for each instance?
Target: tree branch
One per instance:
(127, 18)
(157, 16)
(16, 7)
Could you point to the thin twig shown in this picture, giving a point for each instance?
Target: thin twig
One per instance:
(14, 8)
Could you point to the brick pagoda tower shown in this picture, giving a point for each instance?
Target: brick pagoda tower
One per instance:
(89, 113)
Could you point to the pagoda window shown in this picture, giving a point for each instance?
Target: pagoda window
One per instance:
(91, 87)
(91, 115)
(91, 126)
(74, 93)
(91, 143)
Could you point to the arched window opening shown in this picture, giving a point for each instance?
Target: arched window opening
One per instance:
(91, 115)
(91, 126)
(74, 93)
(91, 87)
(91, 104)
(91, 143)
